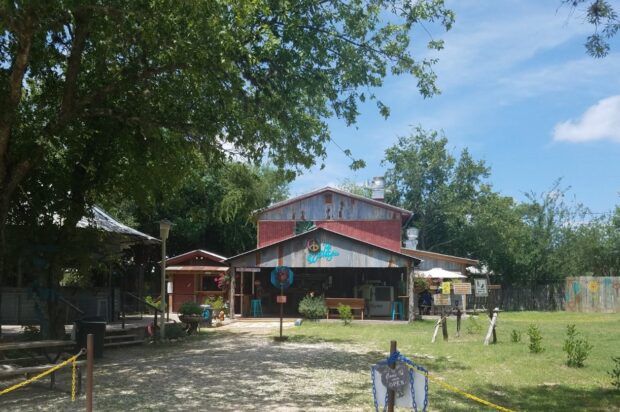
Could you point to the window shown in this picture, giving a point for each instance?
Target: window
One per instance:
(208, 283)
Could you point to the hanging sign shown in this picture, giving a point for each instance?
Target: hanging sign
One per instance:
(282, 277)
(281, 299)
(441, 300)
(462, 288)
(408, 380)
(481, 287)
(445, 288)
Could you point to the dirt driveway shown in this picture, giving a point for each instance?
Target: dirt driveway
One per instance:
(237, 367)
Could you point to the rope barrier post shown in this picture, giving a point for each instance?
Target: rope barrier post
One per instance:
(458, 322)
(391, 394)
(444, 324)
(90, 357)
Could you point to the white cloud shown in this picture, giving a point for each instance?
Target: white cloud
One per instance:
(599, 122)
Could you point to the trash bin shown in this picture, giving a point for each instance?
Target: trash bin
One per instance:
(207, 314)
(94, 326)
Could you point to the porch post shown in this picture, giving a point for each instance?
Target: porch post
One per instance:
(231, 296)
(413, 299)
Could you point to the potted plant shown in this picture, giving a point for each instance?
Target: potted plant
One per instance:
(190, 313)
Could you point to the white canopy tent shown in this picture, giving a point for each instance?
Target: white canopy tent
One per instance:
(440, 273)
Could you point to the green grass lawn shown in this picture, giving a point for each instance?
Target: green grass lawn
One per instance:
(505, 373)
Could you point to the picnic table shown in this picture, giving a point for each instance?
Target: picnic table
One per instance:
(34, 357)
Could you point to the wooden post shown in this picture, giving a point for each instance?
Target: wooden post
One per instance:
(444, 324)
(413, 310)
(491, 330)
(231, 308)
(281, 311)
(90, 356)
(392, 394)
(436, 330)
(458, 322)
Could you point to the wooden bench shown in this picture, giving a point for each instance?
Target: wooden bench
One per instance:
(354, 303)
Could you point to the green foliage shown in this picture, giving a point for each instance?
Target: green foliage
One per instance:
(535, 346)
(577, 349)
(313, 307)
(345, 314)
(216, 302)
(152, 301)
(515, 336)
(602, 15)
(473, 326)
(190, 308)
(615, 372)
(175, 331)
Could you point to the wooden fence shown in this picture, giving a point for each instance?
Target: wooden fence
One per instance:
(575, 294)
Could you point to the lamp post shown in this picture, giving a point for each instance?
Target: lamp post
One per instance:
(164, 229)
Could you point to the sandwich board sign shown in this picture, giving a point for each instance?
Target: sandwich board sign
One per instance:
(408, 380)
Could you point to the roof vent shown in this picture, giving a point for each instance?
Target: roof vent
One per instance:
(378, 188)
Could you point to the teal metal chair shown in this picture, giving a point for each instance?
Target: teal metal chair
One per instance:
(397, 309)
(256, 308)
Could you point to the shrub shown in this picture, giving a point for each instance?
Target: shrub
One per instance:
(515, 336)
(577, 349)
(190, 308)
(535, 339)
(345, 313)
(313, 307)
(615, 372)
(472, 325)
(151, 301)
(175, 331)
(216, 302)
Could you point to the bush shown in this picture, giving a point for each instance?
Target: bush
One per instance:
(535, 339)
(151, 301)
(190, 308)
(472, 326)
(615, 373)
(577, 350)
(345, 313)
(216, 302)
(175, 331)
(515, 336)
(312, 307)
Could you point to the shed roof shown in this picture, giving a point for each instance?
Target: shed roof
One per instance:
(406, 213)
(438, 256)
(195, 253)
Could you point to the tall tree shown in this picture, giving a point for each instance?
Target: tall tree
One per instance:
(258, 78)
(603, 16)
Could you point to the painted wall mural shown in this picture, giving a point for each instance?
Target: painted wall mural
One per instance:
(592, 294)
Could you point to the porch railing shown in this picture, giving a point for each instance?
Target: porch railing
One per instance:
(140, 300)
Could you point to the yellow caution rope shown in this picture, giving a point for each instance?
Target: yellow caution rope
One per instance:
(468, 395)
(53, 369)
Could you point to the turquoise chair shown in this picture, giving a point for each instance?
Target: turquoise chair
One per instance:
(397, 308)
(256, 308)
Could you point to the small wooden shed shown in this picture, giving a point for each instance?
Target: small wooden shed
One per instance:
(193, 276)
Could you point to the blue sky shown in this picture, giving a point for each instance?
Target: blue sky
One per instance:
(518, 90)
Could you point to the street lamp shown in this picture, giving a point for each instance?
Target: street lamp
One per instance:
(164, 229)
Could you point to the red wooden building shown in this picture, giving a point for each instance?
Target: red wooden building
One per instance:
(338, 244)
(193, 276)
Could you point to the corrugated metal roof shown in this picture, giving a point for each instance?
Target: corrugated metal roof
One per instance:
(439, 256)
(197, 252)
(196, 269)
(342, 192)
(101, 220)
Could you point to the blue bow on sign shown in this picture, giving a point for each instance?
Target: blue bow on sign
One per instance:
(282, 277)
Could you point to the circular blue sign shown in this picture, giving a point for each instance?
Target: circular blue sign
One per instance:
(282, 277)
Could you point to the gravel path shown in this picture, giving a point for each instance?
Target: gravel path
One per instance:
(237, 367)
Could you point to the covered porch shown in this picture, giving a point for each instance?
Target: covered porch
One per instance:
(327, 264)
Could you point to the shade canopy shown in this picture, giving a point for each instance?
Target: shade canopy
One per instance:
(439, 273)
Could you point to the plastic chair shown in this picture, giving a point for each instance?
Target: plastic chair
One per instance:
(398, 307)
(256, 308)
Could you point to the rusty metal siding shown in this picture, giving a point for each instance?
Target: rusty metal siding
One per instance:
(384, 233)
(270, 232)
(330, 206)
(345, 253)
